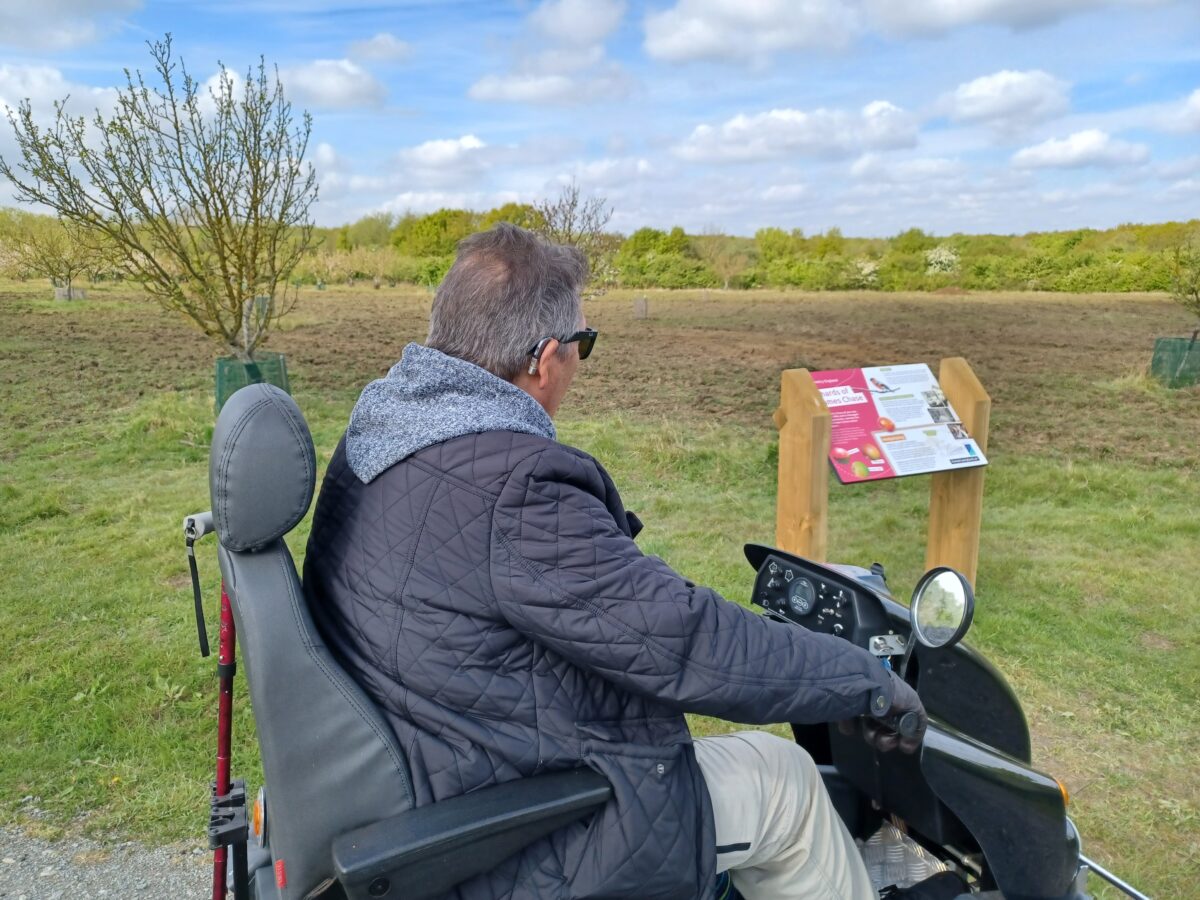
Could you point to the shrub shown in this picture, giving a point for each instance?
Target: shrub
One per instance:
(865, 274)
(902, 271)
(941, 260)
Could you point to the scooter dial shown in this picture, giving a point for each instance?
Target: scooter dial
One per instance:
(801, 597)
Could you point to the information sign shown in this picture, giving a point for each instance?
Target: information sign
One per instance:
(889, 421)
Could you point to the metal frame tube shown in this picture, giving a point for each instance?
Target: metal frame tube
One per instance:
(1112, 879)
(225, 656)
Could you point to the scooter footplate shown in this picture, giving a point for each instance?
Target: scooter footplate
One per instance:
(891, 857)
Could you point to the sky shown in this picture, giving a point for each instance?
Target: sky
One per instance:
(718, 115)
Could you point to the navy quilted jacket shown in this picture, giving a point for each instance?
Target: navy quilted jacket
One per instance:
(487, 593)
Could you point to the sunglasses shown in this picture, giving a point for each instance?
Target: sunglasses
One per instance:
(586, 339)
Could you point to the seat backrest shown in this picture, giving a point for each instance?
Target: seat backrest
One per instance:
(330, 761)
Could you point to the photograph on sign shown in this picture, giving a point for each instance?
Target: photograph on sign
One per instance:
(890, 421)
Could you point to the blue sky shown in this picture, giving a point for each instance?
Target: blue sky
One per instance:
(869, 115)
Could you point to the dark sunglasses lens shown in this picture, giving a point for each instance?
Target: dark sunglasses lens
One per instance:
(586, 343)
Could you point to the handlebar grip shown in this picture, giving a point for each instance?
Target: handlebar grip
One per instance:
(198, 525)
(906, 725)
(909, 725)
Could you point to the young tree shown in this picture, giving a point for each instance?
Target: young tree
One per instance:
(203, 192)
(726, 256)
(1185, 279)
(52, 248)
(1185, 290)
(571, 218)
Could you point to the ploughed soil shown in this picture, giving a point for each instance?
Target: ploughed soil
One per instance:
(1066, 372)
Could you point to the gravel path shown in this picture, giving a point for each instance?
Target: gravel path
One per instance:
(33, 868)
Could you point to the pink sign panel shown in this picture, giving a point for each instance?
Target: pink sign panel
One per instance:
(889, 421)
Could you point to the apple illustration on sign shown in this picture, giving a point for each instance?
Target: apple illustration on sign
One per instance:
(842, 455)
(887, 424)
(859, 468)
(871, 451)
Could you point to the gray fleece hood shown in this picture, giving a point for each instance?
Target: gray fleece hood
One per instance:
(429, 397)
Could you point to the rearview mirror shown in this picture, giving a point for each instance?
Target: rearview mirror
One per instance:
(942, 607)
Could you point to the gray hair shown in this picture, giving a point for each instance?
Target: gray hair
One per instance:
(508, 289)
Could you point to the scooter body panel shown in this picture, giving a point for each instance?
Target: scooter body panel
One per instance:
(1016, 814)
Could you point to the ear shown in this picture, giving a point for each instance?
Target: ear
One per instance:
(548, 364)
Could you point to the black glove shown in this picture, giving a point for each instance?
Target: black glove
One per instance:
(882, 732)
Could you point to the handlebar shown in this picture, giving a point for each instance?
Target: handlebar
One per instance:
(906, 725)
(197, 526)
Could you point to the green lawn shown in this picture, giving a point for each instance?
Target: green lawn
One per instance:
(1087, 589)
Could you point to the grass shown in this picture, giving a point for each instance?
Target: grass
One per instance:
(1087, 596)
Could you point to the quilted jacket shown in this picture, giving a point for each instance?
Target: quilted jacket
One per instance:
(487, 593)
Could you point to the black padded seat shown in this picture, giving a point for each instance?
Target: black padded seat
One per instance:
(330, 761)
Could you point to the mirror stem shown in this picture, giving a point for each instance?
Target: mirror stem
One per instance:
(902, 670)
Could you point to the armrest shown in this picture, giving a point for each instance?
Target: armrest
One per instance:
(424, 852)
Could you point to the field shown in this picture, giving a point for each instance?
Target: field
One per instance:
(1087, 590)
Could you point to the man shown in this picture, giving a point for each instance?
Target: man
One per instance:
(481, 581)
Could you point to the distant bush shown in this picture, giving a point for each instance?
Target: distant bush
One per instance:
(901, 271)
(941, 260)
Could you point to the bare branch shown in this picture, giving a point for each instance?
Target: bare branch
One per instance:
(571, 218)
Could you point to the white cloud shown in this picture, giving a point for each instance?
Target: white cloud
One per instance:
(428, 201)
(444, 153)
(875, 168)
(383, 47)
(569, 70)
(333, 84)
(1009, 100)
(448, 162)
(1178, 168)
(1100, 190)
(334, 178)
(523, 88)
(43, 86)
(578, 22)
(552, 88)
(612, 171)
(59, 24)
(325, 157)
(1083, 148)
(939, 16)
(1185, 186)
(750, 31)
(792, 132)
(747, 31)
(562, 60)
(1186, 116)
(777, 193)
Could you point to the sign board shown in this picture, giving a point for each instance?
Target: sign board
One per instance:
(889, 421)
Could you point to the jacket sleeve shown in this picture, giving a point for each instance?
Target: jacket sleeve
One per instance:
(565, 575)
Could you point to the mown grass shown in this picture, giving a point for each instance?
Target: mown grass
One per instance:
(1087, 585)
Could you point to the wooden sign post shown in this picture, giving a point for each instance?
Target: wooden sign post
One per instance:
(956, 498)
(802, 501)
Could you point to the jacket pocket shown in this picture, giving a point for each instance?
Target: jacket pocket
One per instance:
(645, 842)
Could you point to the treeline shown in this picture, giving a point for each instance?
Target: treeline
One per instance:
(419, 249)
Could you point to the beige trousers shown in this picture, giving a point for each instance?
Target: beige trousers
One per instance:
(777, 830)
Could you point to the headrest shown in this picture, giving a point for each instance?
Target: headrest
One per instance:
(262, 469)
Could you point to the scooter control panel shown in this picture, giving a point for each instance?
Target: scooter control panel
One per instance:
(819, 598)
(803, 596)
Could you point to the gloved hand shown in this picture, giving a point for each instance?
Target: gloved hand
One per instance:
(880, 732)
